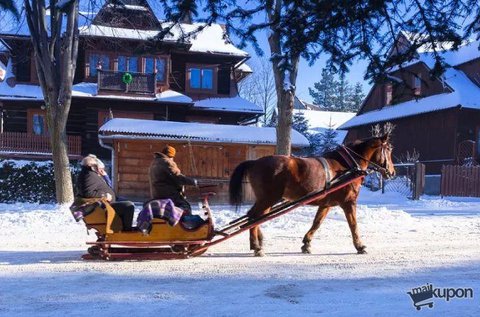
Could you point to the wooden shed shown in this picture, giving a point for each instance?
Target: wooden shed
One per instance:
(208, 152)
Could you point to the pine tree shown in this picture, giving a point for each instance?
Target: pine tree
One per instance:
(325, 91)
(300, 123)
(344, 92)
(324, 141)
(336, 95)
(356, 98)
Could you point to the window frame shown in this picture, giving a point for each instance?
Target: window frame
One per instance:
(214, 69)
(417, 84)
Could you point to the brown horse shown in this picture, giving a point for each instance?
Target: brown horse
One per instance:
(278, 177)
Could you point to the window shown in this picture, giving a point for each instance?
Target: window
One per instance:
(37, 123)
(98, 61)
(122, 63)
(201, 78)
(417, 84)
(388, 94)
(158, 65)
(128, 64)
(161, 67)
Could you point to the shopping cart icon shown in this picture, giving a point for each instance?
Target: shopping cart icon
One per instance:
(422, 296)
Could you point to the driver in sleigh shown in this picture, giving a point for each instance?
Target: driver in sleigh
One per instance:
(167, 181)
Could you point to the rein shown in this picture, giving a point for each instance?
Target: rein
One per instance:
(376, 167)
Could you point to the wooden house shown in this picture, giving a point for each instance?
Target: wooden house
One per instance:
(124, 71)
(438, 117)
(208, 152)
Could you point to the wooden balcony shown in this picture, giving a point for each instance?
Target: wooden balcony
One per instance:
(26, 145)
(110, 81)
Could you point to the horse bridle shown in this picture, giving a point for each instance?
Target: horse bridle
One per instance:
(372, 166)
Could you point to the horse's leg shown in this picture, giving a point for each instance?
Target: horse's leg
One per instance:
(350, 210)
(319, 217)
(256, 236)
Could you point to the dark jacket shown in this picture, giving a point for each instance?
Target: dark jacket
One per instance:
(92, 185)
(166, 180)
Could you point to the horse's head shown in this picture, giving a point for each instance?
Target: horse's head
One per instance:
(382, 155)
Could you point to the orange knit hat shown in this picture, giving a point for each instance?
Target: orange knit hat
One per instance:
(169, 151)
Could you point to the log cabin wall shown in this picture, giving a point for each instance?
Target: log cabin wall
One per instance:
(205, 161)
(433, 135)
(404, 91)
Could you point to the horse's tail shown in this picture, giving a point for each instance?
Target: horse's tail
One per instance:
(236, 181)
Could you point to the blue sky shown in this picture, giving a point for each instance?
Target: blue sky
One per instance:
(308, 75)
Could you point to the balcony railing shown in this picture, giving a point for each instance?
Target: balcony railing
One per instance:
(27, 144)
(112, 81)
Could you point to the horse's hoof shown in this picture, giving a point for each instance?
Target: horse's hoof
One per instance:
(362, 250)
(258, 253)
(306, 249)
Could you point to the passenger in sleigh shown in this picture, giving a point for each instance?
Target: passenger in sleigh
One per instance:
(92, 188)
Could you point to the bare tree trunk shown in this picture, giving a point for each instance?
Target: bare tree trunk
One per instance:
(61, 167)
(284, 125)
(285, 69)
(56, 52)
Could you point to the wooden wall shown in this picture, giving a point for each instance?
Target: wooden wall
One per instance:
(403, 92)
(212, 162)
(433, 135)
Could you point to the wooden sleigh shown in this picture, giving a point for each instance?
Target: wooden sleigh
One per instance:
(181, 242)
(162, 242)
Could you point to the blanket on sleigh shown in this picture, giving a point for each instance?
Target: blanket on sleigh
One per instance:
(158, 208)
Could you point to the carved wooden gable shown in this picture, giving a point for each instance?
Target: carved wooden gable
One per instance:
(129, 14)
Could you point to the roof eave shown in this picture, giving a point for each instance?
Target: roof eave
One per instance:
(106, 136)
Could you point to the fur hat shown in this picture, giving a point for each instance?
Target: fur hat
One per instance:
(169, 151)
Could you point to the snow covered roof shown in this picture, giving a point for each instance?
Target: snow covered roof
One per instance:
(320, 121)
(231, 104)
(465, 94)
(212, 39)
(171, 131)
(107, 31)
(243, 67)
(90, 90)
(87, 90)
(323, 119)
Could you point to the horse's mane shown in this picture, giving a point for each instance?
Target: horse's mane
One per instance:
(356, 146)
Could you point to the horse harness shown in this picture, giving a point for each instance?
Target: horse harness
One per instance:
(372, 166)
(346, 156)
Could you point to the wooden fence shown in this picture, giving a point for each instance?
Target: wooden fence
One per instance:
(460, 181)
(31, 144)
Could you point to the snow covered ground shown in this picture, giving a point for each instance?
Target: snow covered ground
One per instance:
(409, 243)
